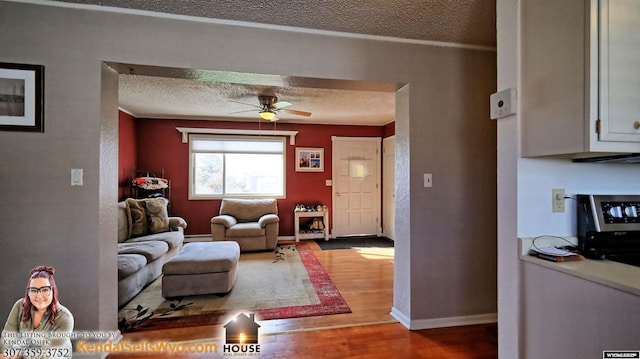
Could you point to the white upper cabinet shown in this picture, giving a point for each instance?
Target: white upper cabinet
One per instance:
(620, 70)
(580, 89)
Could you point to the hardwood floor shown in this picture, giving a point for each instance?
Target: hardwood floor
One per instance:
(365, 279)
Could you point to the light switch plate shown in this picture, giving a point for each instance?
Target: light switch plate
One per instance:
(503, 103)
(76, 177)
(428, 180)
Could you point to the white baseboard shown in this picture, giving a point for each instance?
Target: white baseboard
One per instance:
(443, 322)
(197, 238)
(403, 319)
(286, 238)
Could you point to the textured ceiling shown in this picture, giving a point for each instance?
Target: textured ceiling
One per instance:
(180, 93)
(160, 92)
(457, 21)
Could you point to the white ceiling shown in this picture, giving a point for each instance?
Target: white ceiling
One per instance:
(148, 92)
(153, 92)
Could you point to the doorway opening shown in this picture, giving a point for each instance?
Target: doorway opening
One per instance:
(148, 71)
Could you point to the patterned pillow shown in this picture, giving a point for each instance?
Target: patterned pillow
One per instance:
(157, 215)
(123, 222)
(137, 218)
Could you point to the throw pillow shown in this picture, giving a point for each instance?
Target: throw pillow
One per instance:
(123, 222)
(157, 215)
(137, 218)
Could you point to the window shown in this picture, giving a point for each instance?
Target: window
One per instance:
(224, 166)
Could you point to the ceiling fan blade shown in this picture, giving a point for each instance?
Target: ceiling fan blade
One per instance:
(248, 104)
(299, 113)
(280, 104)
(231, 113)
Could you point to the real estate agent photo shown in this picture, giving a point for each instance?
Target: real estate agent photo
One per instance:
(27, 331)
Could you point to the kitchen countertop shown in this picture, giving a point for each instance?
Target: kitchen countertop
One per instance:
(620, 276)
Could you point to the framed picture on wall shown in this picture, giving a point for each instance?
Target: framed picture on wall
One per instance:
(21, 97)
(309, 159)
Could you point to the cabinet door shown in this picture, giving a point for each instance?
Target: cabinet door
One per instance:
(553, 85)
(620, 70)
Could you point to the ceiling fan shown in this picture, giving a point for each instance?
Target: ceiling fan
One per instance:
(270, 106)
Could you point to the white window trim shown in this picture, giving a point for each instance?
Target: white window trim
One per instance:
(225, 131)
(193, 196)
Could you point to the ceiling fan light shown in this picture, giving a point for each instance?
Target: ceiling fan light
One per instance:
(267, 115)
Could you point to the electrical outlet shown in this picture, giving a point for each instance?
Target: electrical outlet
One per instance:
(557, 200)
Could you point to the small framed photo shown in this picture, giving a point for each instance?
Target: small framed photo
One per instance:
(309, 159)
(21, 97)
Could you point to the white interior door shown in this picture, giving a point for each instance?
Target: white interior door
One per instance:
(356, 186)
(388, 187)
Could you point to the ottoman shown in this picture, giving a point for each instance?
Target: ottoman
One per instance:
(201, 268)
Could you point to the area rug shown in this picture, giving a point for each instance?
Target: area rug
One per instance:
(354, 242)
(289, 282)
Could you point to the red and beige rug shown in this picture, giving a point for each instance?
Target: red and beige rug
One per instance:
(289, 282)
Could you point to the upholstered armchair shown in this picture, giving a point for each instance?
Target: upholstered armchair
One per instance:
(253, 223)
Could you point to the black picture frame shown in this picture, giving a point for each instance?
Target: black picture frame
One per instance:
(21, 97)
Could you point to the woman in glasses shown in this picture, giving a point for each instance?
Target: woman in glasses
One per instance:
(41, 313)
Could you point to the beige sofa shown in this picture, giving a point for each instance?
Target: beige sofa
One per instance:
(147, 239)
(252, 223)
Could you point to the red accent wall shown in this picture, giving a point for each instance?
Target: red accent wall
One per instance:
(127, 152)
(159, 146)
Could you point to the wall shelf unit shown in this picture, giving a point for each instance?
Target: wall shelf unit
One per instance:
(146, 183)
(318, 233)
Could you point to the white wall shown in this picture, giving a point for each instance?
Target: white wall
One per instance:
(446, 267)
(507, 154)
(524, 210)
(536, 178)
